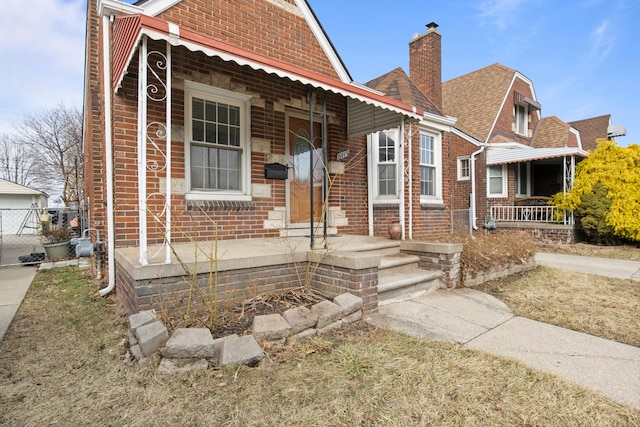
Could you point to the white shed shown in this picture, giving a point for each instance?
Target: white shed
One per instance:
(17, 215)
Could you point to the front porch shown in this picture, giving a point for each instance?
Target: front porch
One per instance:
(373, 268)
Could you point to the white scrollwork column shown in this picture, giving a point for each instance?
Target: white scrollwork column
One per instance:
(152, 88)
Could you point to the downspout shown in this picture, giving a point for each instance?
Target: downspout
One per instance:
(108, 143)
(472, 197)
(401, 180)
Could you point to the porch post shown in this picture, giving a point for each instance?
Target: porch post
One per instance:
(325, 167)
(142, 152)
(311, 153)
(569, 168)
(167, 224)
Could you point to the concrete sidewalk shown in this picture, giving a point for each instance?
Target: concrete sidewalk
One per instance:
(14, 283)
(482, 322)
(618, 268)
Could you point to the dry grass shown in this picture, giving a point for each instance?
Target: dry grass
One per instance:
(595, 305)
(627, 251)
(60, 363)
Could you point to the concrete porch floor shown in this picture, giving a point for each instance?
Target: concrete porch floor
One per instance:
(240, 254)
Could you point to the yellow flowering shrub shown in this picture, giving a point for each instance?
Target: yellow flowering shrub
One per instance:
(617, 169)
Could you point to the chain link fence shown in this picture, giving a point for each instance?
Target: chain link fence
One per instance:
(21, 241)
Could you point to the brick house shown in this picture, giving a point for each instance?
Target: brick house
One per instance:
(508, 158)
(235, 122)
(421, 200)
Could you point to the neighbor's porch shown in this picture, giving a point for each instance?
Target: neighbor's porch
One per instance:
(234, 270)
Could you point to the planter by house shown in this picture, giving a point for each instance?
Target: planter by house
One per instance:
(55, 251)
(56, 242)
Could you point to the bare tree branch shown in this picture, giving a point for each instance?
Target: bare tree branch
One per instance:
(55, 139)
(16, 161)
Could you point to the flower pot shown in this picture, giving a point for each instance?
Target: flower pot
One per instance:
(395, 231)
(56, 251)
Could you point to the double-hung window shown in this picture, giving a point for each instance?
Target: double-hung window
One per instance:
(521, 119)
(497, 181)
(217, 134)
(386, 166)
(522, 180)
(430, 168)
(464, 168)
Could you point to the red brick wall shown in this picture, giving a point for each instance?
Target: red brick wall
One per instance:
(255, 25)
(234, 220)
(506, 117)
(94, 184)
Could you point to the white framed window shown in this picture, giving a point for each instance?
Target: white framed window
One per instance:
(523, 181)
(464, 168)
(497, 181)
(385, 148)
(217, 143)
(521, 119)
(430, 167)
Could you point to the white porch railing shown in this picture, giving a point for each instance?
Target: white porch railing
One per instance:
(529, 214)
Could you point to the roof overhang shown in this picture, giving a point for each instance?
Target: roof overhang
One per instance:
(522, 99)
(500, 156)
(368, 110)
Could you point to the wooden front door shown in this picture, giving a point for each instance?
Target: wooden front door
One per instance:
(307, 171)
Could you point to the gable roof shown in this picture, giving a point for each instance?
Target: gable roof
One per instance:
(281, 27)
(8, 187)
(476, 98)
(592, 129)
(551, 132)
(397, 85)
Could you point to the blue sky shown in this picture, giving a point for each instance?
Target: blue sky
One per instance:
(583, 56)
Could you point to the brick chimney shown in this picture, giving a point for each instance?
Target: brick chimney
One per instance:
(425, 63)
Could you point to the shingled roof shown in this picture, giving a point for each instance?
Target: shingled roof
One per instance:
(397, 85)
(592, 129)
(475, 98)
(551, 132)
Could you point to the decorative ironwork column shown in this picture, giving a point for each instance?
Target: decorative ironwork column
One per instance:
(152, 87)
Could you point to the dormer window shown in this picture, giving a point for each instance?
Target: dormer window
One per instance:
(523, 105)
(521, 119)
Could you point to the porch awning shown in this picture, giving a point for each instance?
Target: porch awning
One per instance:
(499, 156)
(368, 110)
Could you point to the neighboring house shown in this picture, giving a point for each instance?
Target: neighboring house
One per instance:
(16, 208)
(508, 158)
(213, 120)
(595, 128)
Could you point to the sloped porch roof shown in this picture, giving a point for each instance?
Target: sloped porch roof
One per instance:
(368, 110)
(500, 156)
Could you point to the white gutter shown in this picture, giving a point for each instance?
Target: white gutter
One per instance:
(108, 143)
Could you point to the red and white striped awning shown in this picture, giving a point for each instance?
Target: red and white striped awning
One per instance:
(369, 110)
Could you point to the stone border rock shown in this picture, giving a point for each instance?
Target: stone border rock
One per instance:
(192, 349)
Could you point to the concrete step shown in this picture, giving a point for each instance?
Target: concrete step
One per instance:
(407, 285)
(305, 232)
(391, 265)
(381, 248)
